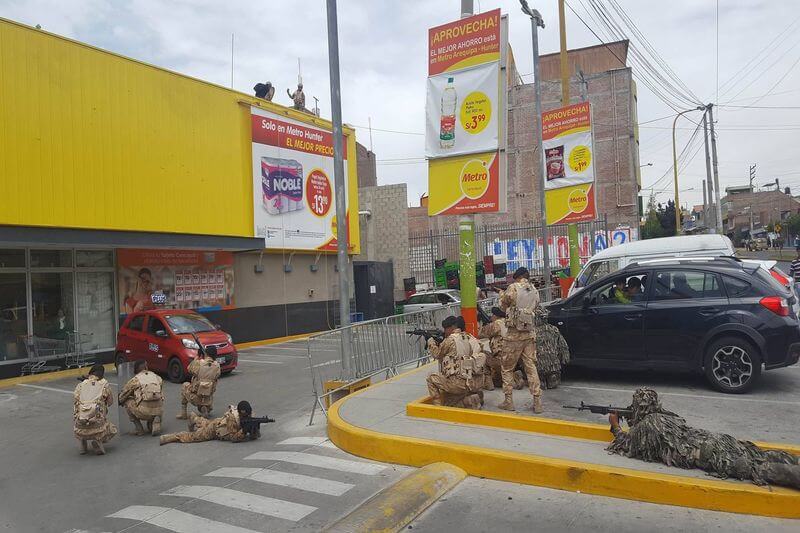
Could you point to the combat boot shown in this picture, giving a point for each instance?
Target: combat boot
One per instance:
(167, 439)
(204, 410)
(472, 401)
(182, 415)
(480, 396)
(519, 380)
(98, 447)
(84, 447)
(156, 426)
(508, 404)
(139, 428)
(537, 404)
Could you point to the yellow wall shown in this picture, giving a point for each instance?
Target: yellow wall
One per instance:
(89, 139)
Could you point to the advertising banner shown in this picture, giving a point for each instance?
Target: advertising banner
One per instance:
(174, 279)
(293, 185)
(465, 108)
(462, 112)
(570, 204)
(567, 145)
(465, 184)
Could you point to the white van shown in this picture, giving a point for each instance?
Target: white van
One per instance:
(616, 257)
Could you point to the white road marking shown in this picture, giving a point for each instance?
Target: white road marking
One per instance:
(326, 363)
(7, 397)
(244, 501)
(286, 479)
(261, 362)
(705, 396)
(319, 461)
(284, 356)
(53, 389)
(304, 441)
(175, 520)
(329, 444)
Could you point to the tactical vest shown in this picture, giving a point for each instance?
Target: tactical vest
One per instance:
(465, 362)
(205, 379)
(496, 342)
(521, 313)
(90, 403)
(149, 392)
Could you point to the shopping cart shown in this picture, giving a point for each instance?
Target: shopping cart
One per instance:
(38, 349)
(76, 356)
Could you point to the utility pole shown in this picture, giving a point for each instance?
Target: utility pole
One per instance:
(536, 23)
(709, 211)
(342, 237)
(715, 166)
(675, 170)
(752, 176)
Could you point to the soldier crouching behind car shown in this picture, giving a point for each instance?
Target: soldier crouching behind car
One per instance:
(228, 427)
(659, 436)
(459, 382)
(205, 372)
(143, 398)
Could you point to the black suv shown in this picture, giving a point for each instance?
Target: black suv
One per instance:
(714, 315)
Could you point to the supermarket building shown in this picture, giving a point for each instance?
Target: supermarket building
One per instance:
(124, 186)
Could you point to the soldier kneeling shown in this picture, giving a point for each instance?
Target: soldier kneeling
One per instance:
(205, 372)
(90, 404)
(143, 399)
(459, 381)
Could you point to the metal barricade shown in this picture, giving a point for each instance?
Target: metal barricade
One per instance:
(379, 346)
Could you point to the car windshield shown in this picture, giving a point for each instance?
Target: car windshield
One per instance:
(189, 324)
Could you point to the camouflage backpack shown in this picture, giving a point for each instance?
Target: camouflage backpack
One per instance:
(90, 410)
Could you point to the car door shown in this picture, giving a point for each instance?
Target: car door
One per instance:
(683, 306)
(156, 344)
(603, 326)
(132, 338)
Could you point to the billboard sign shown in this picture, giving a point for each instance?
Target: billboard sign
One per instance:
(465, 122)
(293, 185)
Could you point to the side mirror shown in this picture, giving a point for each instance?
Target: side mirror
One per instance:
(161, 333)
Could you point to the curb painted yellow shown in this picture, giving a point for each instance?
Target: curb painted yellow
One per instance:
(421, 408)
(276, 340)
(394, 507)
(602, 480)
(49, 376)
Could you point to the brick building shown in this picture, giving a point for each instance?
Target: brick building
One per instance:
(601, 75)
(741, 203)
(367, 173)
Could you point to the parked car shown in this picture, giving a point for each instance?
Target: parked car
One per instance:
(431, 299)
(164, 338)
(720, 316)
(617, 257)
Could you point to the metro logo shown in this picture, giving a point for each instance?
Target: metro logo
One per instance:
(478, 176)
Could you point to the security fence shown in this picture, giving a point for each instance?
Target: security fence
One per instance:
(522, 245)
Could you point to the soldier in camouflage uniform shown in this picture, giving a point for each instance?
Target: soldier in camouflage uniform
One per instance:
(552, 351)
(205, 372)
(492, 337)
(458, 382)
(90, 403)
(225, 428)
(143, 398)
(657, 435)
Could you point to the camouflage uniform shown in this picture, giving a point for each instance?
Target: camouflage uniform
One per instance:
(104, 430)
(519, 344)
(456, 384)
(139, 409)
(492, 334)
(656, 435)
(200, 390)
(552, 351)
(225, 428)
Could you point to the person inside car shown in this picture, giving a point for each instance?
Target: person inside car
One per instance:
(634, 290)
(617, 293)
(680, 288)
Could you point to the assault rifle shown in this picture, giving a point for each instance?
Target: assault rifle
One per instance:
(483, 316)
(433, 333)
(251, 426)
(622, 412)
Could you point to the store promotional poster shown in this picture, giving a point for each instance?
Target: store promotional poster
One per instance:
(465, 116)
(293, 185)
(174, 279)
(568, 164)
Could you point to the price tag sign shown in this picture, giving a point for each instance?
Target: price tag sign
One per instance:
(319, 192)
(476, 111)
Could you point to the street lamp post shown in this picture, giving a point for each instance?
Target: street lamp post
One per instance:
(675, 168)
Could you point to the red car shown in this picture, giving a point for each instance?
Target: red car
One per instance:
(163, 338)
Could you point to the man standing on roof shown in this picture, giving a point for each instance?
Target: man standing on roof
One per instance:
(519, 302)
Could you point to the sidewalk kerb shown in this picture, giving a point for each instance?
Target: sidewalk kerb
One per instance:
(394, 507)
(49, 376)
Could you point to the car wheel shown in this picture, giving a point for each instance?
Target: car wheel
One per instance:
(119, 359)
(227, 372)
(732, 365)
(175, 371)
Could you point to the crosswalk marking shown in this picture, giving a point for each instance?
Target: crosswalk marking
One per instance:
(285, 479)
(304, 441)
(320, 461)
(244, 501)
(175, 520)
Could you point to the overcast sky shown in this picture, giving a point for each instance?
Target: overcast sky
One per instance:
(383, 66)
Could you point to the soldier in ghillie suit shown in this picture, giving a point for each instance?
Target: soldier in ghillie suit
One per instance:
(552, 350)
(659, 436)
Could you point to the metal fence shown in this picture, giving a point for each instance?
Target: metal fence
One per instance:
(379, 346)
(521, 245)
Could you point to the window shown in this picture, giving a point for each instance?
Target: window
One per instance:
(737, 288)
(94, 258)
(51, 258)
(189, 324)
(12, 258)
(136, 323)
(52, 297)
(623, 290)
(683, 284)
(444, 299)
(596, 271)
(95, 298)
(415, 300)
(13, 316)
(154, 325)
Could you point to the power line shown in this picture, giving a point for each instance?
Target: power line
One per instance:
(680, 156)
